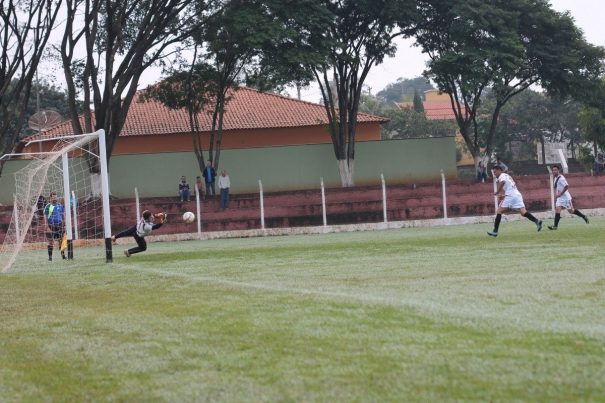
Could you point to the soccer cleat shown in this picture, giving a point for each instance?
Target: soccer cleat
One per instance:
(126, 253)
(50, 259)
(586, 220)
(539, 225)
(63, 256)
(492, 233)
(552, 227)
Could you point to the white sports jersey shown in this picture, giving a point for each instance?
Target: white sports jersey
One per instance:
(510, 187)
(559, 183)
(564, 200)
(144, 228)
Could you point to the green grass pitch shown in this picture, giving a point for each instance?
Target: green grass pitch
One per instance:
(425, 314)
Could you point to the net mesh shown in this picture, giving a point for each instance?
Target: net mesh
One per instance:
(26, 240)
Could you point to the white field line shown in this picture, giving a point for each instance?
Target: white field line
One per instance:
(452, 313)
(353, 227)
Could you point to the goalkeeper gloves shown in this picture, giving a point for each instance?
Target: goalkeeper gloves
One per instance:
(162, 217)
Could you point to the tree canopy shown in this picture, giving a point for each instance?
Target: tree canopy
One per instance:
(504, 47)
(342, 41)
(404, 89)
(120, 40)
(25, 28)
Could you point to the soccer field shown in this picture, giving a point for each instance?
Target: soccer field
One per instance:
(423, 314)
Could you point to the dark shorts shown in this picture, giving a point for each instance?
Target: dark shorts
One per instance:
(55, 231)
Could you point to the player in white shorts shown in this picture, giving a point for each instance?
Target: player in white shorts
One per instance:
(513, 200)
(563, 198)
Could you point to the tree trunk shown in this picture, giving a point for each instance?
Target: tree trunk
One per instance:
(543, 150)
(345, 169)
(219, 134)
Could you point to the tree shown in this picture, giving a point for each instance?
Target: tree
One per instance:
(532, 116)
(592, 116)
(504, 47)
(592, 126)
(358, 36)
(408, 123)
(25, 27)
(46, 96)
(120, 40)
(187, 89)
(404, 89)
(418, 105)
(236, 43)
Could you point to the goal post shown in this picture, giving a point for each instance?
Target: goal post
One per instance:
(76, 171)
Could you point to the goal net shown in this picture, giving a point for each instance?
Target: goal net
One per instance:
(61, 205)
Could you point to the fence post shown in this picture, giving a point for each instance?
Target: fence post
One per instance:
(552, 189)
(384, 198)
(136, 202)
(323, 202)
(444, 195)
(262, 205)
(198, 210)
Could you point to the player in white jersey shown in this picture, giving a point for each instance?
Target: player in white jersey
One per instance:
(513, 200)
(142, 228)
(563, 198)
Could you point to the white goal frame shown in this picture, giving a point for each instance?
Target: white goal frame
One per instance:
(52, 156)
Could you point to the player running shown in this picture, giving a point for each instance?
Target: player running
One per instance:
(141, 229)
(513, 200)
(563, 198)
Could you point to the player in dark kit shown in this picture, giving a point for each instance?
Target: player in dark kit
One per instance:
(141, 229)
(563, 198)
(54, 213)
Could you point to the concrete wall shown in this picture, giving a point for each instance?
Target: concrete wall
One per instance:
(279, 168)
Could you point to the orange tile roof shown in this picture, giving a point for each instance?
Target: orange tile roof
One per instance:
(439, 110)
(248, 109)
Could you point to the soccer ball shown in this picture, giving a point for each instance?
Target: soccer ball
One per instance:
(189, 217)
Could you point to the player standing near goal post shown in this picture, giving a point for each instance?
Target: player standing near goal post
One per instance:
(141, 229)
(513, 200)
(563, 198)
(54, 213)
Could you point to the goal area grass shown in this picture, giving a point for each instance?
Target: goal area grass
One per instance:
(422, 314)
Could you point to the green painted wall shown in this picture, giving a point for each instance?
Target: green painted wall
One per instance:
(280, 168)
(7, 181)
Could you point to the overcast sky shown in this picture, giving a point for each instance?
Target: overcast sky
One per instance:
(409, 62)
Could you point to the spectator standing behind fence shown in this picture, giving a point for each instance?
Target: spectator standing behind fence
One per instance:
(184, 189)
(481, 172)
(199, 185)
(599, 163)
(209, 174)
(223, 184)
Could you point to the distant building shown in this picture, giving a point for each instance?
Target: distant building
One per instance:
(438, 106)
(252, 119)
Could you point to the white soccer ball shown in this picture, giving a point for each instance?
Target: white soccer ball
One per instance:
(188, 217)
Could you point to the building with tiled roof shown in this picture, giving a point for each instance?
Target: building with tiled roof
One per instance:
(437, 105)
(252, 119)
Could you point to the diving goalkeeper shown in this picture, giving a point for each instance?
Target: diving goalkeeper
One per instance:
(141, 229)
